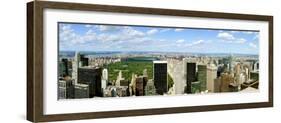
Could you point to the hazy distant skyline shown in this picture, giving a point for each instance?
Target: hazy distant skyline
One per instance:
(93, 37)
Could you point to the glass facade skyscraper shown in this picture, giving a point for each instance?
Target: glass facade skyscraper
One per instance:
(160, 76)
(190, 76)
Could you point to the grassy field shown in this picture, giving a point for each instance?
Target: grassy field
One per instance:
(128, 68)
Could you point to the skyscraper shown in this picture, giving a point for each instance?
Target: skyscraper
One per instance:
(190, 76)
(160, 76)
(132, 85)
(119, 78)
(226, 79)
(150, 88)
(64, 67)
(84, 61)
(81, 91)
(217, 85)
(139, 86)
(230, 62)
(256, 66)
(75, 66)
(62, 89)
(202, 77)
(105, 74)
(196, 87)
(104, 79)
(211, 76)
(237, 72)
(145, 77)
(122, 91)
(254, 75)
(91, 77)
(66, 88)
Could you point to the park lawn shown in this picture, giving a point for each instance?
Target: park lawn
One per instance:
(128, 68)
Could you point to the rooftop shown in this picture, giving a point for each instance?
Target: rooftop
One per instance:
(160, 62)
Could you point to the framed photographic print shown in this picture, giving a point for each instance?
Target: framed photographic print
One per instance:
(96, 61)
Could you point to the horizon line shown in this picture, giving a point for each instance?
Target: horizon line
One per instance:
(155, 51)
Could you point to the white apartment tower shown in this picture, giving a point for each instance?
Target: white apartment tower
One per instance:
(104, 79)
(75, 66)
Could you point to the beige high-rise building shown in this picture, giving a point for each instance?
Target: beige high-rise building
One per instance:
(150, 88)
(132, 85)
(217, 85)
(119, 78)
(226, 79)
(237, 73)
(247, 72)
(211, 76)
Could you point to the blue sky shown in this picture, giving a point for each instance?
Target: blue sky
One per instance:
(93, 37)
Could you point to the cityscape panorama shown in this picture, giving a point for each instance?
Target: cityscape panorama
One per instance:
(101, 61)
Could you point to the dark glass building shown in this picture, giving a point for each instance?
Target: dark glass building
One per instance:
(64, 67)
(160, 76)
(139, 86)
(92, 78)
(196, 87)
(145, 80)
(254, 76)
(84, 60)
(202, 77)
(190, 76)
(81, 91)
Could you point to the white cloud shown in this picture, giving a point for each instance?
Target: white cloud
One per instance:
(234, 32)
(125, 38)
(88, 26)
(107, 28)
(152, 31)
(66, 33)
(198, 42)
(165, 30)
(89, 36)
(249, 32)
(194, 43)
(107, 37)
(179, 30)
(229, 38)
(130, 31)
(69, 37)
(180, 41)
(121, 36)
(235, 41)
(243, 32)
(253, 45)
(124, 34)
(225, 36)
(240, 41)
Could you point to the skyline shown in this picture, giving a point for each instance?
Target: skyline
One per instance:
(96, 37)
